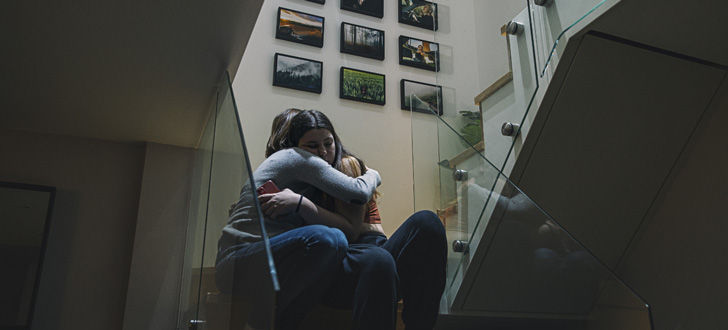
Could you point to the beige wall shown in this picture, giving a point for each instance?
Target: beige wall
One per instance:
(86, 269)
(159, 242)
(379, 134)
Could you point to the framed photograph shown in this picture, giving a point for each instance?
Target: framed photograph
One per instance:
(362, 41)
(367, 7)
(297, 73)
(362, 86)
(420, 97)
(300, 27)
(317, 1)
(419, 13)
(419, 53)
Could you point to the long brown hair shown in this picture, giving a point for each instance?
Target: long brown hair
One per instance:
(308, 120)
(279, 130)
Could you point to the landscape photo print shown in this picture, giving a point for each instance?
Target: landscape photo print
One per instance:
(418, 13)
(420, 97)
(300, 27)
(297, 73)
(362, 41)
(367, 7)
(419, 53)
(362, 86)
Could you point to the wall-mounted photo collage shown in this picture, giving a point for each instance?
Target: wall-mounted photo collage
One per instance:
(305, 74)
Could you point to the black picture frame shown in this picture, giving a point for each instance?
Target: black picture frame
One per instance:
(317, 1)
(427, 57)
(300, 27)
(424, 92)
(419, 13)
(373, 8)
(353, 81)
(350, 44)
(287, 73)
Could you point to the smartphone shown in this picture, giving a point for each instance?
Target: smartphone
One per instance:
(268, 188)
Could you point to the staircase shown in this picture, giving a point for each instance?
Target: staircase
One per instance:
(583, 137)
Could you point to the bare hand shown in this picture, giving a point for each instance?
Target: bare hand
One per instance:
(280, 203)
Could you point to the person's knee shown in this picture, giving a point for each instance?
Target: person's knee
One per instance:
(429, 225)
(378, 263)
(327, 240)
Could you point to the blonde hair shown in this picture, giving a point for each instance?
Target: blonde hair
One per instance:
(354, 167)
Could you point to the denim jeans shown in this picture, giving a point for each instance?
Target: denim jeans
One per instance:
(377, 272)
(306, 260)
(315, 264)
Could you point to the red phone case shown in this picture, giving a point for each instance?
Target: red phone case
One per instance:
(269, 187)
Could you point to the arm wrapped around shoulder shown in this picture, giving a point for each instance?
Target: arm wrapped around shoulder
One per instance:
(318, 173)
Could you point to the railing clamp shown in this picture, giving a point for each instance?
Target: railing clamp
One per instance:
(543, 3)
(509, 129)
(461, 246)
(459, 175)
(514, 28)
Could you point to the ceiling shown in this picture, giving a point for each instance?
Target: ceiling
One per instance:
(125, 71)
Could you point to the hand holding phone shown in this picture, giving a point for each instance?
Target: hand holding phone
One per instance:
(268, 188)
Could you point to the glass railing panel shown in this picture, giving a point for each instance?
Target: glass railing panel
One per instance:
(226, 306)
(452, 159)
(196, 216)
(475, 103)
(424, 142)
(209, 300)
(505, 103)
(553, 20)
(495, 84)
(509, 256)
(540, 268)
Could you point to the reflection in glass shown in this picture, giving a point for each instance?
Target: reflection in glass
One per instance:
(507, 254)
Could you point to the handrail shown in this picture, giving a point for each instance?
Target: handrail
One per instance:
(497, 85)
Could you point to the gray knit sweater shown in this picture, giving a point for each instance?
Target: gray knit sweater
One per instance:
(301, 172)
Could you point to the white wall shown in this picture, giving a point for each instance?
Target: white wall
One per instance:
(85, 273)
(381, 135)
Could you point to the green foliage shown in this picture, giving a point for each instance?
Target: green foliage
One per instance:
(472, 131)
(363, 86)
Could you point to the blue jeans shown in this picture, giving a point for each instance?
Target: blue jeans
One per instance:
(314, 263)
(306, 260)
(377, 271)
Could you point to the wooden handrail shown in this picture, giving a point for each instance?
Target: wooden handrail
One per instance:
(467, 153)
(498, 84)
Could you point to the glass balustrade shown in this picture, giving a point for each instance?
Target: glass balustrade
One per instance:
(507, 254)
(221, 168)
(553, 20)
(492, 90)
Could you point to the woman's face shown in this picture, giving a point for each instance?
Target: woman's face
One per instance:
(319, 142)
